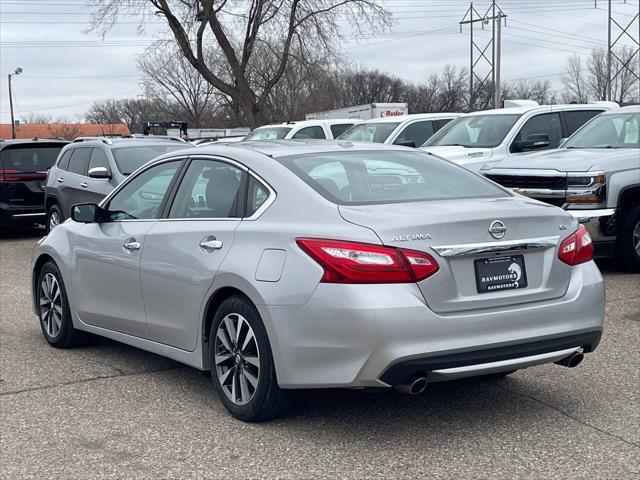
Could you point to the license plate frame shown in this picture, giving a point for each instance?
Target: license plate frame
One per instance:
(496, 274)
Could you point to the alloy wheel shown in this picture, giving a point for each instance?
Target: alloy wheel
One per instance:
(636, 238)
(54, 219)
(237, 359)
(50, 305)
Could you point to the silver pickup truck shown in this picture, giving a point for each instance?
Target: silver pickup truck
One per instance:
(595, 176)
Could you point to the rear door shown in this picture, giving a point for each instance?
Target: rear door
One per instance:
(183, 251)
(23, 173)
(72, 182)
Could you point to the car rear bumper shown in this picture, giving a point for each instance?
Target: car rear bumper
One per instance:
(374, 335)
(13, 215)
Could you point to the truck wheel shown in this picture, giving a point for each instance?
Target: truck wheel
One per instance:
(628, 245)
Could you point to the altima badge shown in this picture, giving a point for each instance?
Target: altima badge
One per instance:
(415, 236)
(497, 229)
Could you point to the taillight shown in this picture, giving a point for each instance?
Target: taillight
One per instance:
(577, 248)
(353, 262)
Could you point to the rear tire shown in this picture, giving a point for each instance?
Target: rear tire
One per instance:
(54, 218)
(53, 309)
(242, 367)
(628, 243)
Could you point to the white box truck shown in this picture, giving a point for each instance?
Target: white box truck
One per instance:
(363, 112)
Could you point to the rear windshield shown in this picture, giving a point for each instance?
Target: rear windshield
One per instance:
(369, 132)
(129, 159)
(367, 178)
(486, 131)
(268, 133)
(613, 130)
(29, 158)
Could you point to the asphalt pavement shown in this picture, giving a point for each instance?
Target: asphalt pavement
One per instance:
(112, 411)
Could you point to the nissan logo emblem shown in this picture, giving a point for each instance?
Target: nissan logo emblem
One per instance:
(497, 229)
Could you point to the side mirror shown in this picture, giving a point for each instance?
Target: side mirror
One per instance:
(99, 172)
(534, 141)
(84, 212)
(406, 143)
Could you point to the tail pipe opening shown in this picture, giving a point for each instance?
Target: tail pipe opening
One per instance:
(413, 386)
(572, 360)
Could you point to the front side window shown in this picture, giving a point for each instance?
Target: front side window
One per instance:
(268, 133)
(313, 133)
(370, 132)
(537, 127)
(209, 189)
(475, 131)
(79, 161)
(417, 132)
(141, 198)
(613, 130)
(373, 177)
(129, 159)
(98, 159)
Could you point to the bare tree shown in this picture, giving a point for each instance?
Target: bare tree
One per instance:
(537, 90)
(238, 28)
(597, 79)
(574, 81)
(39, 118)
(131, 111)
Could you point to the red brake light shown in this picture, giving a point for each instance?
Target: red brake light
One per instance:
(577, 248)
(353, 262)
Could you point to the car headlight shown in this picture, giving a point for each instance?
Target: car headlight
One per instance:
(586, 188)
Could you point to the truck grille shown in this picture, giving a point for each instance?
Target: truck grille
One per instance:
(517, 181)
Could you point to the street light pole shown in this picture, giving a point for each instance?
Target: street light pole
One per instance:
(18, 71)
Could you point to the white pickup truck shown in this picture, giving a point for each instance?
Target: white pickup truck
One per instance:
(488, 137)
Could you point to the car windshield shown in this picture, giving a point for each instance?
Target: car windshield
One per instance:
(27, 158)
(481, 131)
(268, 133)
(379, 177)
(129, 159)
(613, 130)
(369, 132)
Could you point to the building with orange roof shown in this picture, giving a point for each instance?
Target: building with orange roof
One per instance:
(68, 131)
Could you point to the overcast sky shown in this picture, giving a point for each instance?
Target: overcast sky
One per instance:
(66, 68)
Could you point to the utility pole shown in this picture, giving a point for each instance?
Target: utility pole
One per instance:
(482, 62)
(623, 31)
(18, 71)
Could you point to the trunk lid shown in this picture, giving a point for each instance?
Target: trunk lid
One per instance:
(456, 234)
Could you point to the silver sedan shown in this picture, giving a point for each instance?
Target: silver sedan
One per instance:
(293, 264)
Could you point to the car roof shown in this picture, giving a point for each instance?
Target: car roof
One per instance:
(129, 142)
(284, 148)
(24, 141)
(413, 116)
(544, 108)
(627, 109)
(304, 123)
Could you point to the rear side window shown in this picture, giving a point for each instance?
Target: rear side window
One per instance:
(374, 177)
(29, 158)
(316, 133)
(418, 133)
(257, 195)
(63, 163)
(578, 118)
(337, 130)
(438, 124)
(79, 161)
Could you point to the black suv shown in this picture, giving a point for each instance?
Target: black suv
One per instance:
(90, 167)
(23, 175)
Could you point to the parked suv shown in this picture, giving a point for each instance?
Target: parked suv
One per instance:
(90, 167)
(23, 173)
(595, 176)
(303, 130)
(407, 130)
(488, 137)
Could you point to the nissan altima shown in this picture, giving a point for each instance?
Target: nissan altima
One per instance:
(309, 264)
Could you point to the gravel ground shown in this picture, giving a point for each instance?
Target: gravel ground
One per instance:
(113, 411)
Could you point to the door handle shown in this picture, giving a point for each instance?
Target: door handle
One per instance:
(60, 180)
(84, 185)
(210, 243)
(131, 245)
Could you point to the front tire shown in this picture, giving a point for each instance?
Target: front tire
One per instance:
(628, 244)
(242, 367)
(53, 309)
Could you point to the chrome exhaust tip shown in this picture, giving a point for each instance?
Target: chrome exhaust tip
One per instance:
(572, 360)
(414, 386)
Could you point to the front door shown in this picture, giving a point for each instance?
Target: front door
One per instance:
(106, 267)
(182, 253)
